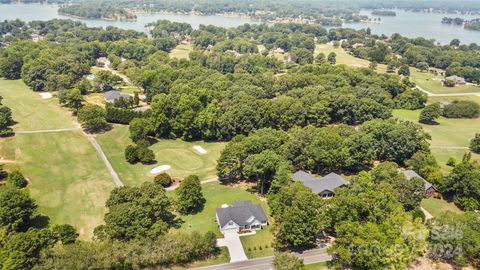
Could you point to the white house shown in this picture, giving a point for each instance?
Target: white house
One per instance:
(242, 215)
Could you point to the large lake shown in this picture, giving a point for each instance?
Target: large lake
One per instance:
(30, 12)
(410, 24)
(420, 24)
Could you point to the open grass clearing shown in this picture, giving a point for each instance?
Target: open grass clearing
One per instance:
(446, 136)
(66, 176)
(437, 207)
(180, 155)
(182, 51)
(31, 111)
(346, 59)
(449, 132)
(426, 81)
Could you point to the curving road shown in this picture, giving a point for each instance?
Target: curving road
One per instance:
(309, 257)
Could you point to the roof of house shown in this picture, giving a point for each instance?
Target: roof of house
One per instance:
(329, 182)
(241, 212)
(409, 174)
(112, 95)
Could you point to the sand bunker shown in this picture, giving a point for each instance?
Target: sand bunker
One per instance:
(160, 169)
(45, 95)
(200, 149)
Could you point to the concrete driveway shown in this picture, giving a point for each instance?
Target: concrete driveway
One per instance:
(232, 241)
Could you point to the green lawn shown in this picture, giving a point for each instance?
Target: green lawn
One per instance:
(317, 266)
(176, 153)
(344, 58)
(449, 133)
(67, 177)
(259, 244)
(432, 99)
(215, 194)
(31, 111)
(182, 51)
(437, 207)
(425, 81)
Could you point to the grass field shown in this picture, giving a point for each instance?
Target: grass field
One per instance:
(259, 244)
(344, 58)
(215, 194)
(182, 51)
(437, 207)
(176, 153)
(425, 81)
(433, 99)
(67, 178)
(31, 111)
(449, 133)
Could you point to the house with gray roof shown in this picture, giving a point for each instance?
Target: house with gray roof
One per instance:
(429, 188)
(111, 96)
(323, 186)
(456, 79)
(241, 215)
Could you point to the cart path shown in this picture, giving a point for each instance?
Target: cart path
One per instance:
(210, 180)
(46, 130)
(104, 158)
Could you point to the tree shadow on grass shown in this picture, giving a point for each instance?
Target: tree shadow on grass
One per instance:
(40, 221)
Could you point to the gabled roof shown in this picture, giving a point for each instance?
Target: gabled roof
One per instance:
(112, 95)
(241, 213)
(409, 174)
(329, 182)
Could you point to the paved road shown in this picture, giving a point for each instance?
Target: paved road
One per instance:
(46, 130)
(104, 158)
(309, 257)
(448, 95)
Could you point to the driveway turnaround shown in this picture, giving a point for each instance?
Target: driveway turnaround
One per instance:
(232, 241)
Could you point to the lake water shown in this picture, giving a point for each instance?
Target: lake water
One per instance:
(410, 24)
(31, 12)
(419, 24)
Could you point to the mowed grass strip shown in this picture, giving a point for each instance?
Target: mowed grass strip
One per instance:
(66, 176)
(31, 111)
(426, 81)
(180, 155)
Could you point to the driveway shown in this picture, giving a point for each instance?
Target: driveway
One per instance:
(232, 241)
